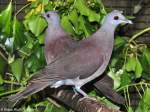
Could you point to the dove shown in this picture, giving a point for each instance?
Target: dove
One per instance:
(59, 43)
(86, 62)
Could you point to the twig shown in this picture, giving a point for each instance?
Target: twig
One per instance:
(136, 84)
(138, 34)
(10, 82)
(22, 9)
(10, 92)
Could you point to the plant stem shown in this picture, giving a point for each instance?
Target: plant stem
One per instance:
(141, 83)
(138, 34)
(22, 9)
(128, 96)
(10, 82)
(10, 92)
(138, 92)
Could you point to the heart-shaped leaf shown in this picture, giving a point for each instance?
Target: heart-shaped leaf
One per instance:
(37, 24)
(17, 68)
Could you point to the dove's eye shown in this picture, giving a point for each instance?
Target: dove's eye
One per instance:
(48, 15)
(116, 18)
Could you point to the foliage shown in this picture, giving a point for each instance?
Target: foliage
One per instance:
(21, 48)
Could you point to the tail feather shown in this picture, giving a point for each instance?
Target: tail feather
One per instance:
(30, 89)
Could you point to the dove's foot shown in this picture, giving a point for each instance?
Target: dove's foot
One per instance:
(78, 89)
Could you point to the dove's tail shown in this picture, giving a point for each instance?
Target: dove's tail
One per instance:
(29, 90)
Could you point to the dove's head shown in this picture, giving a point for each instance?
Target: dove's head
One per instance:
(115, 18)
(52, 17)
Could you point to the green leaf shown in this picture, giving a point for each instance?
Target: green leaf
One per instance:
(74, 18)
(36, 61)
(144, 105)
(37, 24)
(66, 24)
(5, 19)
(131, 64)
(18, 33)
(146, 53)
(28, 109)
(41, 39)
(84, 10)
(138, 69)
(130, 109)
(119, 41)
(82, 26)
(125, 79)
(52, 108)
(1, 80)
(116, 77)
(17, 68)
(44, 2)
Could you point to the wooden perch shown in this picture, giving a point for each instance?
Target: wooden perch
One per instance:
(71, 100)
(77, 103)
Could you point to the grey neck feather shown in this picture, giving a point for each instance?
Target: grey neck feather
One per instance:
(106, 40)
(105, 35)
(53, 30)
(109, 27)
(54, 24)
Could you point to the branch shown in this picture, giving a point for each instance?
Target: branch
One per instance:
(77, 103)
(72, 100)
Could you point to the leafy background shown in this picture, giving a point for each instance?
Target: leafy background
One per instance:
(22, 54)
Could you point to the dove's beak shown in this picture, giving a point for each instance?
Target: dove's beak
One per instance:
(128, 21)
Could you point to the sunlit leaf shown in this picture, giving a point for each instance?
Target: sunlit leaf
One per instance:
(84, 10)
(44, 2)
(130, 109)
(74, 18)
(5, 19)
(66, 24)
(116, 77)
(40, 8)
(138, 69)
(131, 64)
(31, 0)
(82, 26)
(17, 68)
(37, 25)
(41, 39)
(53, 108)
(28, 109)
